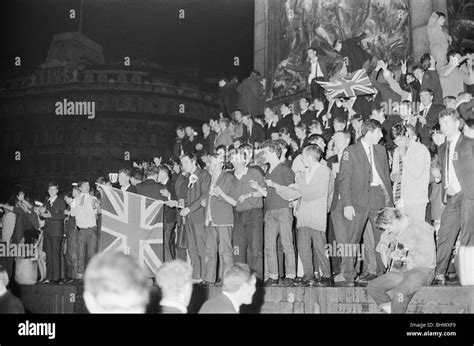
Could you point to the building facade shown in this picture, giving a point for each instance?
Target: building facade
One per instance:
(136, 109)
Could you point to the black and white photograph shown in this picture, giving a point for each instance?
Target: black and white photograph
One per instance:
(299, 160)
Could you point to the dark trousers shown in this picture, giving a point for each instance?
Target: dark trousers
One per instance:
(196, 234)
(316, 89)
(247, 239)
(355, 229)
(87, 248)
(168, 242)
(71, 253)
(52, 248)
(458, 216)
(403, 285)
(335, 261)
(307, 237)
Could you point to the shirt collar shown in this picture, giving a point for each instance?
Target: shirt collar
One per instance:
(124, 188)
(236, 306)
(244, 172)
(455, 138)
(172, 304)
(52, 199)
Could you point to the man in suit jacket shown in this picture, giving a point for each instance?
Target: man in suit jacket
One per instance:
(175, 281)
(365, 188)
(9, 304)
(169, 192)
(197, 189)
(124, 181)
(219, 221)
(237, 289)
(253, 132)
(150, 187)
(208, 138)
(428, 117)
(314, 70)
(456, 157)
(53, 232)
(286, 120)
(339, 222)
(306, 114)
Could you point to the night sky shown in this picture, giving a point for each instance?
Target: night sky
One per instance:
(211, 35)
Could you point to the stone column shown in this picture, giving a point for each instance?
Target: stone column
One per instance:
(260, 37)
(420, 12)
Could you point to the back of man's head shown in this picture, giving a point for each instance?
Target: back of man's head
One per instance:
(175, 281)
(114, 282)
(3, 277)
(236, 276)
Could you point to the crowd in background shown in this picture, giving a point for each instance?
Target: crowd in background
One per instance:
(390, 174)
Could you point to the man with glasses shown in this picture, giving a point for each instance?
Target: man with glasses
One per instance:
(410, 173)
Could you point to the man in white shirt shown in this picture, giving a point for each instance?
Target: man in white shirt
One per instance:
(410, 174)
(85, 209)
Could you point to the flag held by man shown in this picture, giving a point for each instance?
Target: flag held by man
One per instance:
(132, 224)
(354, 84)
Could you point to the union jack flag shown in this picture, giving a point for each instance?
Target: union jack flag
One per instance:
(132, 224)
(355, 84)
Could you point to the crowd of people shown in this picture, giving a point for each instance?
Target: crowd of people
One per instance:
(391, 173)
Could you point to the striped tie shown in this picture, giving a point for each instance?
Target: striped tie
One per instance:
(398, 187)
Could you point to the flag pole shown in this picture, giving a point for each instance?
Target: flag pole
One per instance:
(80, 16)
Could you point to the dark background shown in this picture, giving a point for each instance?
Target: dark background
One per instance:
(211, 35)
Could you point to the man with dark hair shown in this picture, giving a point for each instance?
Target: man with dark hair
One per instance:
(252, 94)
(410, 173)
(247, 234)
(456, 73)
(465, 105)
(180, 139)
(124, 181)
(84, 209)
(169, 214)
(286, 120)
(314, 70)
(224, 134)
(431, 78)
(428, 117)
(53, 232)
(191, 140)
(408, 251)
(456, 158)
(238, 288)
(219, 221)
(209, 137)
(253, 132)
(278, 216)
(150, 187)
(364, 183)
(306, 114)
(136, 176)
(199, 182)
(9, 304)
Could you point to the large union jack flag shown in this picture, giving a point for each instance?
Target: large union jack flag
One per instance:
(355, 84)
(132, 224)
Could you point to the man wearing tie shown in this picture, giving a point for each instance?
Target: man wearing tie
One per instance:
(365, 188)
(456, 157)
(428, 117)
(410, 174)
(124, 181)
(314, 70)
(53, 232)
(253, 132)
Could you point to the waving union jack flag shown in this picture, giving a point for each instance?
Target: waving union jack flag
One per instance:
(355, 84)
(133, 224)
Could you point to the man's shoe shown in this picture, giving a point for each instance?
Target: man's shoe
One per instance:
(326, 282)
(45, 282)
(367, 277)
(287, 282)
(206, 284)
(307, 281)
(452, 280)
(440, 279)
(271, 282)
